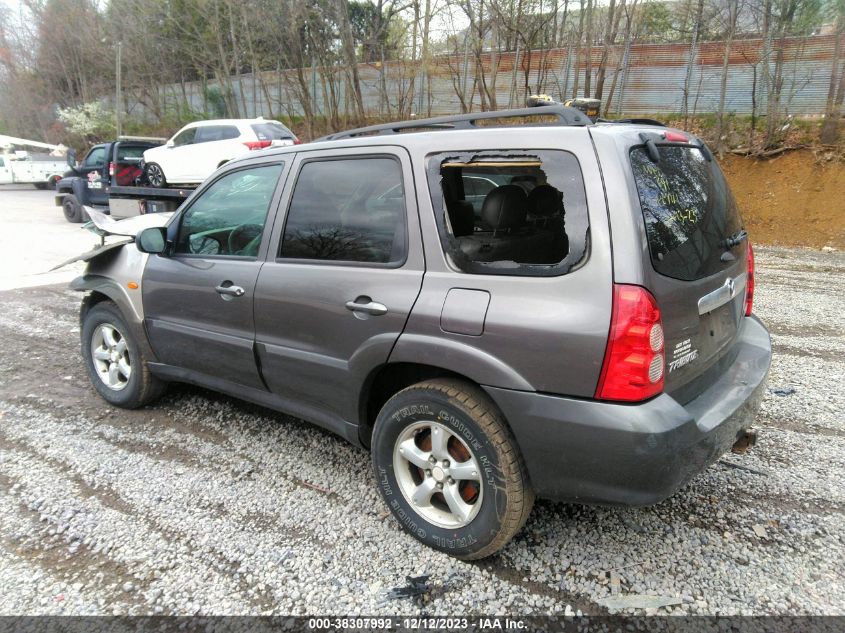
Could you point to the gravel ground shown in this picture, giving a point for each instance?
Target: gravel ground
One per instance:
(203, 504)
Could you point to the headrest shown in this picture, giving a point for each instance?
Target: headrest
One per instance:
(505, 207)
(545, 201)
(461, 217)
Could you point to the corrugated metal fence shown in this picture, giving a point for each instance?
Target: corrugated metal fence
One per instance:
(651, 82)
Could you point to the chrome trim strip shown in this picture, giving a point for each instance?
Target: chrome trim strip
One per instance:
(719, 297)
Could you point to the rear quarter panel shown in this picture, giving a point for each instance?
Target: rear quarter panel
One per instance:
(540, 333)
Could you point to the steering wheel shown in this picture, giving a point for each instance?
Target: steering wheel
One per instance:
(244, 239)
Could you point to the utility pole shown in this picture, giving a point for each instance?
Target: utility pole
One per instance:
(118, 103)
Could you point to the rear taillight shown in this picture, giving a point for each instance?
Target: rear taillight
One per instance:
(257, 144)
(749, 282)
(296, 141)
(634, 366)
(111, 170)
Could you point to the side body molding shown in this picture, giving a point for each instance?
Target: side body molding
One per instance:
(475, 364)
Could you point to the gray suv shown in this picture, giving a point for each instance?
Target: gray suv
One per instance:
(582, 333)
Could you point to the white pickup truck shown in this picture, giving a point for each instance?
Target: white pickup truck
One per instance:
(40, 170)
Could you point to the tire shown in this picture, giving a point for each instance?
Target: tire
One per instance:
(103, 324)
(73, 210)
(40, 185)
(481, 517)
(155, 175)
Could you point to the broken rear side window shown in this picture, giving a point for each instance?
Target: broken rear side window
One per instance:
(515, 213)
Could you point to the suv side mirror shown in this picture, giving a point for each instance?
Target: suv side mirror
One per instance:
(71, 158)
(152, 240)
(170, 143)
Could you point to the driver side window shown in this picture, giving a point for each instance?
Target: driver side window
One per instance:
(97, 156)
(185, 137)
(228, 217)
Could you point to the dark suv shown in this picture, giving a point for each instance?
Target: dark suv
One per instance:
(584, 333)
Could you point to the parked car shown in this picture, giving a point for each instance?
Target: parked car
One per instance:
(589, 338)
(199, 148)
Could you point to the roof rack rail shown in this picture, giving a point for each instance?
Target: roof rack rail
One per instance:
(566, 117)
(634, 121)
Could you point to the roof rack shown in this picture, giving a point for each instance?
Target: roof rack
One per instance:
(566, 116)
(634, 121)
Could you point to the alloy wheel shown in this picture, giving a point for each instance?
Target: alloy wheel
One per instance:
(438, 474)
(110, 355)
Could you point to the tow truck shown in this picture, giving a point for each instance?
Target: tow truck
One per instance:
(110, 179)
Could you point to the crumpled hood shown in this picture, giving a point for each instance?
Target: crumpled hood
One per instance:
(129, 227)
(102, 225)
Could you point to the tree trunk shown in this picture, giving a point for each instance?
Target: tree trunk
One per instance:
(609, 39)
(693, 53)
(836, 90)
(351, 58)
(733, 9)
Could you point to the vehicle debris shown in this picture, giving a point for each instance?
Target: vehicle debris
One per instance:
(783, 391)
(638, 601)
(417, 586)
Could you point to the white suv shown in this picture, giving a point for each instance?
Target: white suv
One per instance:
(199, 148)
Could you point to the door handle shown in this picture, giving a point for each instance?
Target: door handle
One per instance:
(230, 290)
(367, 306)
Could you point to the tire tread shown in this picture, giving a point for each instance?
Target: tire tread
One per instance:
(518, 489)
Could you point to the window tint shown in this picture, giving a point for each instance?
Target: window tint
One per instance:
(97, 156)
(271, 131)
(2, 162)
(207, 133)
(185, 137)
(228, 218)
(359, 218)
(688, 211)
(515, 214)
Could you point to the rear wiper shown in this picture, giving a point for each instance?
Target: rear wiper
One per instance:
(736, 239)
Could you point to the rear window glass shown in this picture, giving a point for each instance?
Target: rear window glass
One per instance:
(515, 213)
(130, 154)
(271, 131)
(688, 211)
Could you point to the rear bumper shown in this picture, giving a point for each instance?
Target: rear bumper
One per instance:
(598, 452)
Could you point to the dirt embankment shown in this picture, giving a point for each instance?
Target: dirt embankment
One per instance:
(795, 199)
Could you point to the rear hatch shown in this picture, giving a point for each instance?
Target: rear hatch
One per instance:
(697, 257)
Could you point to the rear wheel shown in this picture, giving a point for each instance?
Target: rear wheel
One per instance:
(155, 175)
(116, 366)
(449, 469)
(72, 209)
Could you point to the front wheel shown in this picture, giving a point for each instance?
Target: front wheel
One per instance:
(72, 209)
(116, 366)
(155, 175)
(449, 469)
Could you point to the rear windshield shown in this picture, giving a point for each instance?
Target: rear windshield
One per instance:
(271, 131)
(688, 211)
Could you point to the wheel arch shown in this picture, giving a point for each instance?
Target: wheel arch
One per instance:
(387, 380)
(99, 289)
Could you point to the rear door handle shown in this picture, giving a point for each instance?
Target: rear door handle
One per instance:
(230, 290)
(367, 306)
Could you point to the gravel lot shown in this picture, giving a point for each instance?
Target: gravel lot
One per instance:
(203, 504)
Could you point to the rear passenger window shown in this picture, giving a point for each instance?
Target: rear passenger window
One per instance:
(520, 213)
(347, 210)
